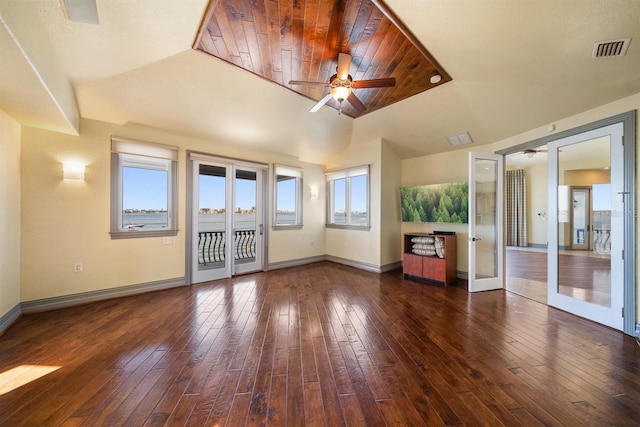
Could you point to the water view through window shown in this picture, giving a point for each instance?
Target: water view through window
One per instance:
(144, 198)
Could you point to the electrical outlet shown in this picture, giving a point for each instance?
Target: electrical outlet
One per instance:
(77, 268)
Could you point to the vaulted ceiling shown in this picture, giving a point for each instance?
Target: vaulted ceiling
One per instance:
(514, 65)
(284, 41)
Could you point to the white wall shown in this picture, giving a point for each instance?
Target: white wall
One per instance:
(9, 213)
(362, 246)
(379, 246)
(439, 169)
(67, 222)
(310, 241)
(63, 224)
(390, 215)
(452, 167)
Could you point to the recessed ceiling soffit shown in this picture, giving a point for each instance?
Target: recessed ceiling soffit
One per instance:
(284, 40)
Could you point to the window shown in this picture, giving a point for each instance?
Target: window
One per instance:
(348, 198)
(288, 197)
(143, 189)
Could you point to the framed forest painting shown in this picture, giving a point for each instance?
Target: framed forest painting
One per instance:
(436, 203)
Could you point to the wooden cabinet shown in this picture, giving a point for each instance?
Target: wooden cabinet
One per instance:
(419, 261)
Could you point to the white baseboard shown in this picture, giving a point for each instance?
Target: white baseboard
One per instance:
(338, 260)
(391, 266)
(9, 318)
(63, 301)
(363, 265)
(295, 262)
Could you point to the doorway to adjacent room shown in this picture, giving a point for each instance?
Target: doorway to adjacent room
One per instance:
(575, 200)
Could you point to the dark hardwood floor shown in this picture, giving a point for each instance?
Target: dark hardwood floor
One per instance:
(322, 344)
(583, 275)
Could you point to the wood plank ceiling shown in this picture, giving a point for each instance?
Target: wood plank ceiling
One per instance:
(283, 40)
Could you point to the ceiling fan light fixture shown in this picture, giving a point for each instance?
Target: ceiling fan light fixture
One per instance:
(340, 93)
(341, 86)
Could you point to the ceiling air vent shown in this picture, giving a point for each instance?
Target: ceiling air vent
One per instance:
(81, 11)
(460, 139)
(610, 48)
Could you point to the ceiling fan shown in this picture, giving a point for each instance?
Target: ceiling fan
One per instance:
(342, 85)
(530, 152)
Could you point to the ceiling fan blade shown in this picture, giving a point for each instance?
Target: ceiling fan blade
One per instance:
(320, 103)
(306, 83)
(344, 64)
(357, 104)
(363, 84)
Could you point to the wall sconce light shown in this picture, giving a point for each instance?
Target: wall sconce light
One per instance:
(313, 192)
(73, 171)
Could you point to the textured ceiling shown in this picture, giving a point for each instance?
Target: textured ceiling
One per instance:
(284, 40)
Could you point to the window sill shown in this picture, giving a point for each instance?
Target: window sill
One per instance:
(286, 227)
(134, 234)
(349, 227)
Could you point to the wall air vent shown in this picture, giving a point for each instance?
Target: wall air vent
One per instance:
(610, 48)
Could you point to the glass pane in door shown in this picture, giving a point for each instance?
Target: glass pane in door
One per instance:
(211, 217)
(584, 272)
(486, 178)
(246, 190)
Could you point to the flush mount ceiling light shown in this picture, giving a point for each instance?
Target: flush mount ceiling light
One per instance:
(463, 138)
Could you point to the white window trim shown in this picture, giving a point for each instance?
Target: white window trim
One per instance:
(298, 174)
(152, 156)
(347, 173)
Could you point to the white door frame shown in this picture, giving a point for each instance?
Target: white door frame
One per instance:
(628, 120)
(611, 316)
(475, 283)
(194, 159)
(257, 264)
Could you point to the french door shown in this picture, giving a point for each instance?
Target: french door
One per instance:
(587, 283)
(227, 218)
(486, 254)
